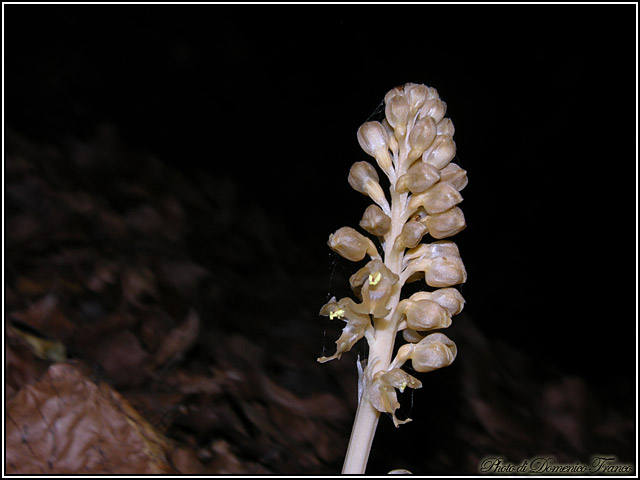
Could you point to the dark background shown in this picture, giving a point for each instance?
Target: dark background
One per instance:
(268, 99)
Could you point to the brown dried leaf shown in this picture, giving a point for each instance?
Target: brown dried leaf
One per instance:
(179, 340)
(66, 424)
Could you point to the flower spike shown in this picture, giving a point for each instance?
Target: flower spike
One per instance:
(413, 146)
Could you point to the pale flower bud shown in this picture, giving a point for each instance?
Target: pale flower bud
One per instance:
(392, 93)
(432, 352)
(444, 248)
(445, 272)
(375, 221)
(416, 96)
(364, 179)
(454, 175)
(439, 198)
(440, 262)
(445, 224)
(421, 137)
(397, 113)
(418, 178)
(374, 141)
(426, 315)
(433, 250)
(445, 127)
(351, 244)
(360, 174)
(434, 108)
(412, 233)
(449, 298)
(432, 93)
(441, 152)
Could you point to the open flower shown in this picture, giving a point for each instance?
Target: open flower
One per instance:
(382, 392)
(354, 330)
(374, 284)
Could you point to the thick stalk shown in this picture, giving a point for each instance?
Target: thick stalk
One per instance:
(366, 421)
(364, 429)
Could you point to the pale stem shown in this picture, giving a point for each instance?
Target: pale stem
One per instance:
(381, 348)
(364, 428)
(366, 421)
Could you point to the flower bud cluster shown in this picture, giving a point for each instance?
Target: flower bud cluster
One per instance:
(414, 147)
